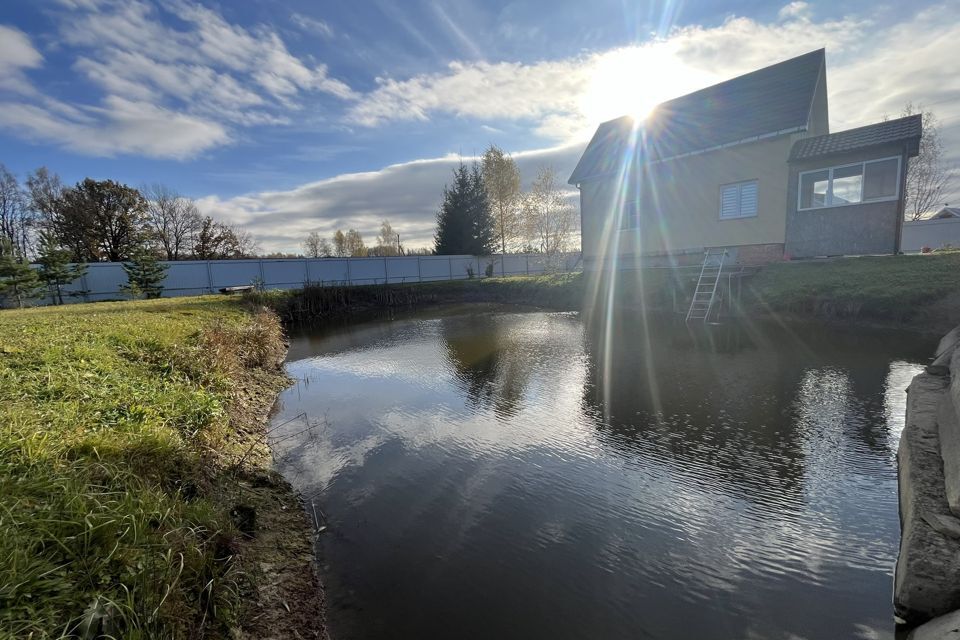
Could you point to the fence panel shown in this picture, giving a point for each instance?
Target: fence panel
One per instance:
(403, 269)
(104, 281)
(234, 273)
(186, 279)
(434, 268)
(284, 274)
(329, 270)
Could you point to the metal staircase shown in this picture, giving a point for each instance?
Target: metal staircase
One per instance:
(706, 292)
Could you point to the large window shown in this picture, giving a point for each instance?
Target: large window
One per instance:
(871, 181)
(738, 200)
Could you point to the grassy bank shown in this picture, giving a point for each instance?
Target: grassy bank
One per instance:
(132, 470)
(922, 291)
(312, 303)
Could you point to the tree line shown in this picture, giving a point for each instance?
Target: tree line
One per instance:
(485, 210)
(351, 244)
(107, 221)
(62, 228)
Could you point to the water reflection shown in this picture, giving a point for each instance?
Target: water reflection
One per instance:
(508, 475)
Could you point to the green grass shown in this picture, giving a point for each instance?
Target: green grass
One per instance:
(878, 287)
(115, 429)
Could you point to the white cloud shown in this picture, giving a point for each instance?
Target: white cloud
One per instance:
(190, 86)
(118, 126)
(312, 25)
(796, 9)
(16, 54)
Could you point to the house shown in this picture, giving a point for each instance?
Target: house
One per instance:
(749, 165)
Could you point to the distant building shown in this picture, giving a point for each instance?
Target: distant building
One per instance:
(749, 165)
(945, 213)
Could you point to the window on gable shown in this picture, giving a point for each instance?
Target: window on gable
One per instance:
(631, 216)
(738, 200)
(871, 181)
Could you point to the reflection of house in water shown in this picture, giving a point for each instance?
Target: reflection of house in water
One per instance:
(746, 406)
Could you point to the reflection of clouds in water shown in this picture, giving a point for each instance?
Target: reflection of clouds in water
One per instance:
(895, 399)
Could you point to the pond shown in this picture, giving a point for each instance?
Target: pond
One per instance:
(485, 473)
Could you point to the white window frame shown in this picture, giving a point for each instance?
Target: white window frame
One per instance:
(739, 185)
(623, 216)
(863, 176)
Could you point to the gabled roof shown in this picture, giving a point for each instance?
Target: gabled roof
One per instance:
(773, 100)
(906, 130)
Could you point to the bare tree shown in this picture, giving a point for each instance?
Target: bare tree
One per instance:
(927, 174)
(549, 219)
(316, 247)
(16, 216)
(501, 179)
(45, 192)
(387, 240)
(173, 219)
(354, 244)
(340, 244)
(245, 244)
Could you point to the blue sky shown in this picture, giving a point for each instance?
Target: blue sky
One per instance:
(288, 116)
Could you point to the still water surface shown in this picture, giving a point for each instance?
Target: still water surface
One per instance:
(492, 474)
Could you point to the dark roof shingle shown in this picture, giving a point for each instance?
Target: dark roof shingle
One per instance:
(906, 129)
(774, 99)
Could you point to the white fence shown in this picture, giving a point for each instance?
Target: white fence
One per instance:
(196, 277)
(935, 234)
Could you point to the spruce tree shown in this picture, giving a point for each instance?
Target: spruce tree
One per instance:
(144, 274)
(55, 267)
(483, 238)
(464, 223)
(18, 280)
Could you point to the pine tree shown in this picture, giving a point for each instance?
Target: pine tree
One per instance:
(483, 237)
(144, 275)
(18, 280)
(464, 223)
(55, 267)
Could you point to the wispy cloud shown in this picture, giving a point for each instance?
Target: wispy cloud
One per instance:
(312, 25)
(17, 54)
(190, 85)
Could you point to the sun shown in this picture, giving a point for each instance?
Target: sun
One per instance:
(633, 81)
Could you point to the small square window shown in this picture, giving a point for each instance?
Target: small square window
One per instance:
(630, 219)
(738, 200)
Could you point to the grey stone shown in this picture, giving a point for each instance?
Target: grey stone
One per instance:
(925, 584)
(946, 525)
(946, 627)
(949, 428)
